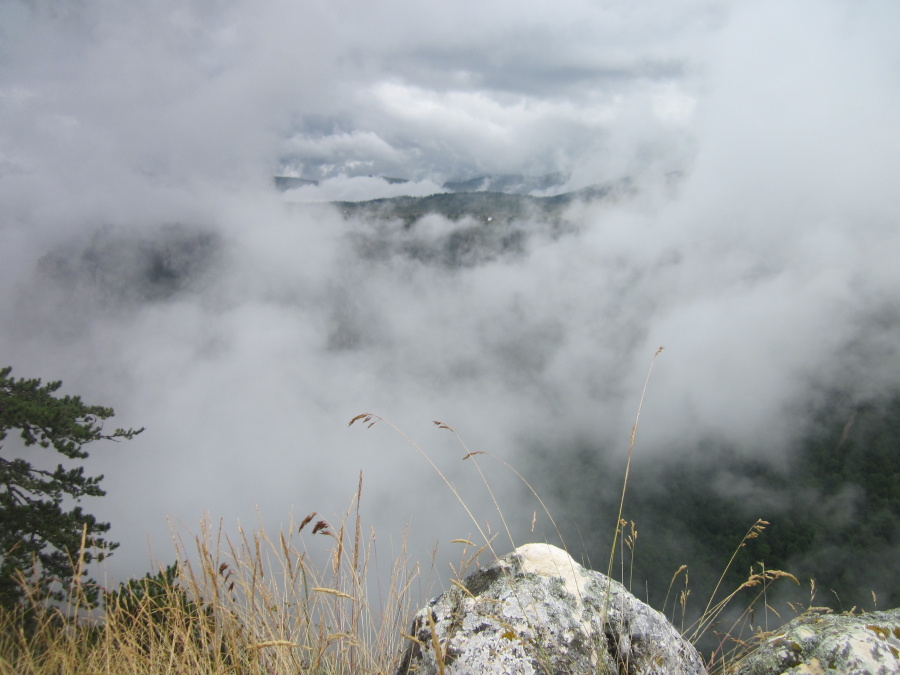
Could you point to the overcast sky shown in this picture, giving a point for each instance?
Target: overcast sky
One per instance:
(768, 268)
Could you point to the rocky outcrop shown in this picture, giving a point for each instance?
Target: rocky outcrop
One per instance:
(832, 644)
(538, 611)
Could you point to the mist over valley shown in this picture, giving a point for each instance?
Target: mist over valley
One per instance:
(241, 247)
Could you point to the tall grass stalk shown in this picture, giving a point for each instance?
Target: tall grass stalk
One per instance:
(251, 605)
(619, 521)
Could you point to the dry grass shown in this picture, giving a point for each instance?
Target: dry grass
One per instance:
(736, 639)
(255, 605)
(259, 604)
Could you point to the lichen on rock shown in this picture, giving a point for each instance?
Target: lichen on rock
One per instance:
(830, 644)
(538, 611)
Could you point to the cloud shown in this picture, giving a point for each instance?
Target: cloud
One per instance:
(760, 248)
(360, 188)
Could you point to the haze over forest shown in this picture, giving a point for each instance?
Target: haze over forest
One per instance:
(595, 180)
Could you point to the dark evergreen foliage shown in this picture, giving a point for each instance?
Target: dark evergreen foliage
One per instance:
(39, 534)
(158, 603)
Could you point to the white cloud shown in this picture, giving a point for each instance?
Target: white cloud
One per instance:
(360, 188)
(776, 252)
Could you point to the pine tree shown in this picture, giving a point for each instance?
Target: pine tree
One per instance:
(41, 537)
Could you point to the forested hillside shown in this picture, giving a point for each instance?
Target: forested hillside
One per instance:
(496, 206)
(832, 500)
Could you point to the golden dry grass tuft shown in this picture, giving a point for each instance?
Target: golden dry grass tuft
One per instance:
(251, 606)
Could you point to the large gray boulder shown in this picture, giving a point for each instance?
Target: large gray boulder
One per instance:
(831, 644)
(538, 611)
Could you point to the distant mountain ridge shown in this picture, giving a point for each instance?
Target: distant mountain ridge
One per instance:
(506, 183)
(487, 206)
(509, 183)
